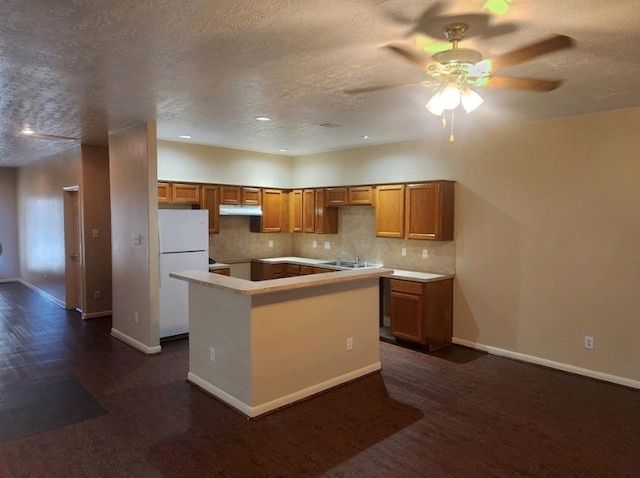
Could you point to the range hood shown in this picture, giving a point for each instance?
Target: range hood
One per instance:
(239, 210)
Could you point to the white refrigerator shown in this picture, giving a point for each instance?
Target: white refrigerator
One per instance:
(184, 245)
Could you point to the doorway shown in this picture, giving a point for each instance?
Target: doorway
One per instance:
(74, 264)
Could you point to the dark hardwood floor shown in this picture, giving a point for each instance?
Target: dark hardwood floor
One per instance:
(76, 402)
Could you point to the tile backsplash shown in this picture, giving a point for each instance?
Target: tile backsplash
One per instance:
(356, 237)
(236, 243)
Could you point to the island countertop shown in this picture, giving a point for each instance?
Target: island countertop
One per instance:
(251, 288)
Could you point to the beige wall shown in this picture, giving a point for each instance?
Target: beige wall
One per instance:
(96, 216)
(134, 213)
(9, 258)
(41, 219)
(546, 232)
(209, 164)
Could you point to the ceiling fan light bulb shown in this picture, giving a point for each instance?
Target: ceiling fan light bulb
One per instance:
(450, 96)
(470, 100)
(435, 105)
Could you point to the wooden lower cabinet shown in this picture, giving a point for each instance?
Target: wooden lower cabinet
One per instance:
(292, 270)
(306, 270)
(266, 271)
(226, 271)
(422, 312)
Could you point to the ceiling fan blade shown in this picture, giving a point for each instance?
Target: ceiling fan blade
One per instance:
(530, 84)
(529, 52)
(412, 57)
(367, 89)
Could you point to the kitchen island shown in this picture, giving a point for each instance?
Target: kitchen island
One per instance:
(259, 346)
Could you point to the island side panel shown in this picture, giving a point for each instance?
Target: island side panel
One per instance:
(299, 340)
(221, 320)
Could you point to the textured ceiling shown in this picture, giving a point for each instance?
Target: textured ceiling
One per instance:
(79, 68)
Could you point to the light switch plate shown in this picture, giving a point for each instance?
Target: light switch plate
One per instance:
(327, 245)
(425, 253)
(95, 232)
(403, 251)
(270, 242)
(314, 244)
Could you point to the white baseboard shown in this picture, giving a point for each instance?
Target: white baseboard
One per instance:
(548, 363)
(263, 408)
(43, 294)
(2, 281)
(95, 315)
(145, 349)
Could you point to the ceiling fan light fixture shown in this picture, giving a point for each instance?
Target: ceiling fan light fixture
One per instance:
(450, 96)
(470, 100)
(435, 105)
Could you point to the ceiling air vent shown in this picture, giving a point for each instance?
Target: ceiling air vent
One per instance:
(329, 125)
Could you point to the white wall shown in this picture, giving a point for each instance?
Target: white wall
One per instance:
(41, 219)
(9, 258)
(134, 212)
(209, 164)
(546, 232)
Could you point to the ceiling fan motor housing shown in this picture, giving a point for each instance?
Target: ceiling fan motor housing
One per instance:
(458, 55)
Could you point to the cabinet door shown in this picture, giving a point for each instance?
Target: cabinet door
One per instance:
(185, 193)
(230, 195)
(210, 200)
(251, 196)
(223, 272)
(326, 218)
(336, 197)
(292, 270)
(306, 270)
(271, 219)
(407, 321)
(360, 195)
(390, 211)
(164, 192)
(295, 213)
(429, 211)
(308, 208)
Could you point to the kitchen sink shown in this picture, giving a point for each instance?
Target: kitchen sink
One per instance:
(349, 264)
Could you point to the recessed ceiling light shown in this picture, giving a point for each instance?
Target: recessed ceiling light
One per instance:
(365, 137)
(185, 136)
(27, 129)
(283, 150)
(263, 118)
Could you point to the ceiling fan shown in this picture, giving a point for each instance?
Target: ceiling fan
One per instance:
(459, 72)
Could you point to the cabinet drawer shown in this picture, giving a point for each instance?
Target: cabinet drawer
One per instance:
(293, 270)
(407, 287)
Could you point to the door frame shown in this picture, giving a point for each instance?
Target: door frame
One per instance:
(73, 240)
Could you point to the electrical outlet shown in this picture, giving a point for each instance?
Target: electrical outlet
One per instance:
(136, 317)
(314, 244)
(425, 253)
(403, 251)
(96, 294)
(349, 343)
(270, 242)
(137, 240)
(95, 232)
(327, 245)
(588, 342)
(212, 354)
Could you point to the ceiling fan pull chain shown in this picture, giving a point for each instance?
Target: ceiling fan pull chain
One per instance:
(451, 138)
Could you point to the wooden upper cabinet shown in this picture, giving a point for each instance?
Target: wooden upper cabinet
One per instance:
(251, 196)
(390, 211)
(308, 210)
(273, 212)
(230, 195)
(360, 195)
(210, 200)
(185, 193)
(429, 211)
(295, 210)
(164, 192)
(336, 196)
(240, 195)
(326, 218)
